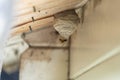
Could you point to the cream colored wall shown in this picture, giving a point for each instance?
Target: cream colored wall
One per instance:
(99, 34)
(109, 70)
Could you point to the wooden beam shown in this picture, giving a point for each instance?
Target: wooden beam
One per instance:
(40, 9)
(33, 25)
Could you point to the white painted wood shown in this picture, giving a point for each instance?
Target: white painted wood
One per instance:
(46, 36)
(44, 64)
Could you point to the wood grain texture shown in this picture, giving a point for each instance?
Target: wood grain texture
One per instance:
(34, 25)
(39, 9)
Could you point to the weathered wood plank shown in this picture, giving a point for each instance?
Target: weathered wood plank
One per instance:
(33, 25)
(41, 9)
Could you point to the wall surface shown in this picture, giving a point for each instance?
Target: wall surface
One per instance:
(109, 70)
(99, 34)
